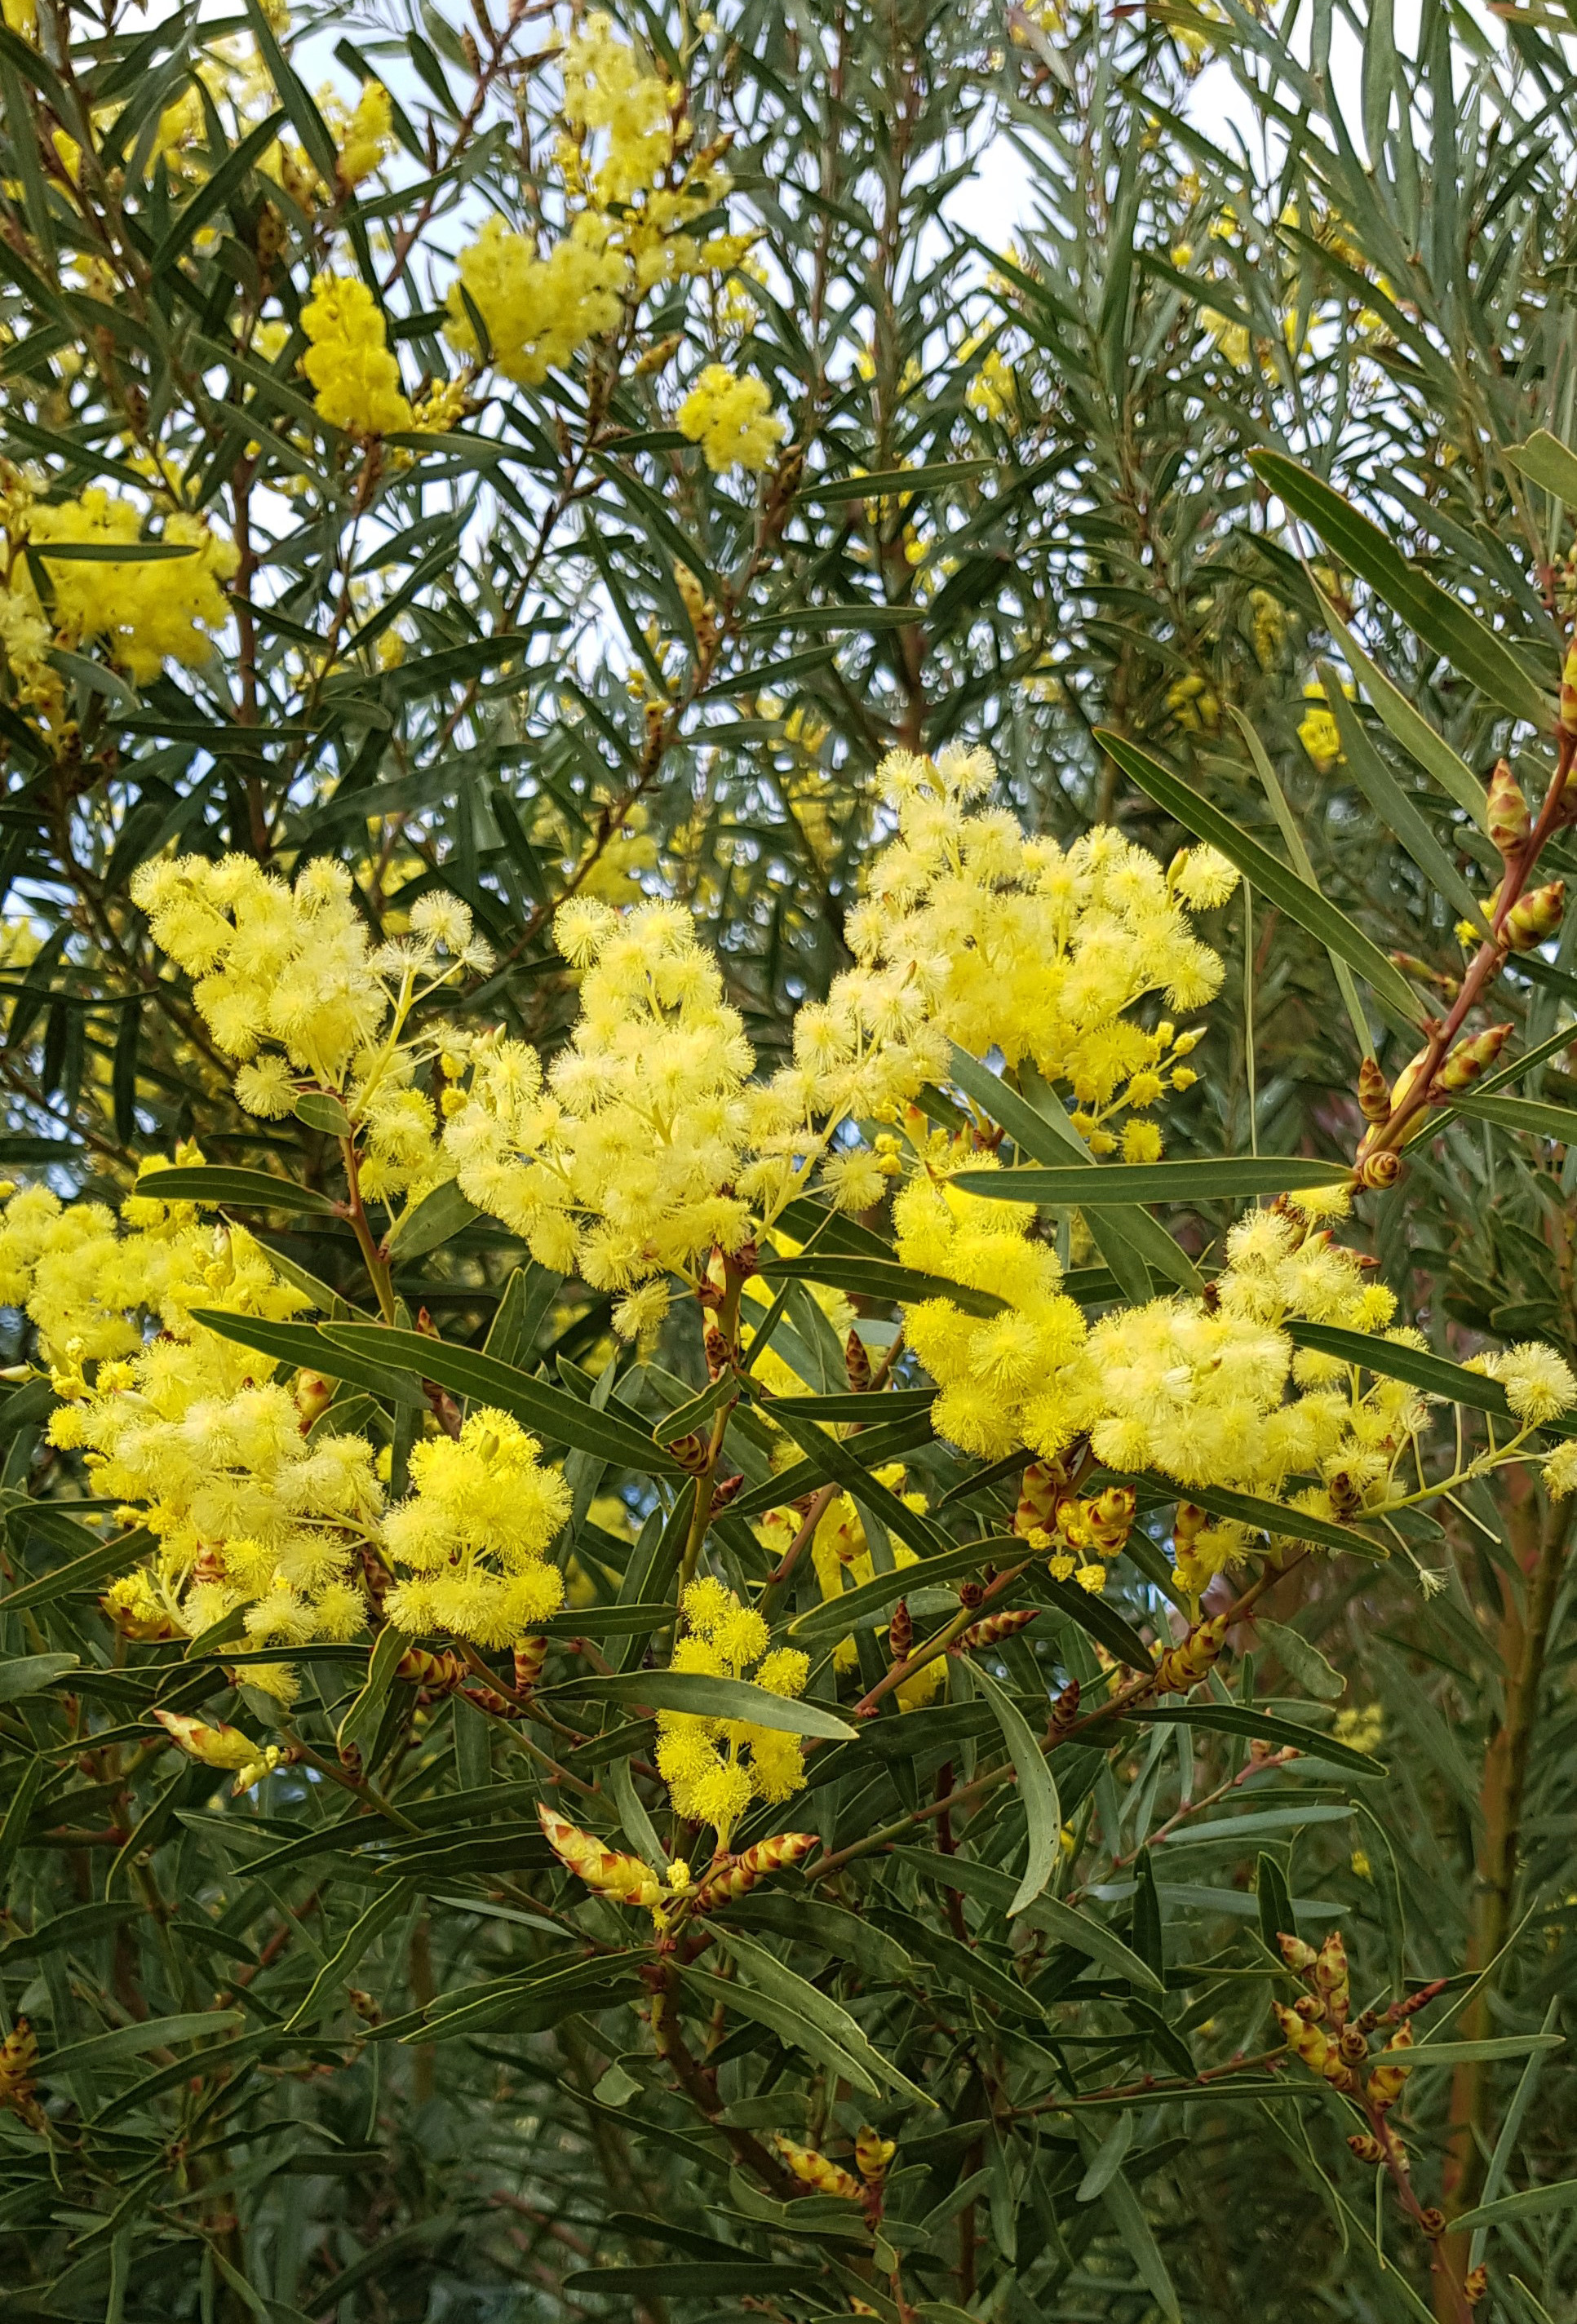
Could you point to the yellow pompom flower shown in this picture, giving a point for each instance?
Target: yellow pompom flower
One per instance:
(148, 609)
(470, 1542)
(538, 312)
(365, 137)
(715, 1767)
(354, 378)
(732, 419)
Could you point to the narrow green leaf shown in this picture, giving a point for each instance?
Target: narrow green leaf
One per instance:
(1228, 1718)
(552, 1411)
(1054, 1919)
(136, 2041)
(1444, 624)
(367, 1928)
(212, 1184)
(1396, 810)
(435, 1220)
(879, 1278)
(30, 1674)
(95, 1565)
(1100, 1186)
(1560, 2195)
(703, 1696)
(837, 1616)
(1437, 1375)
(1037, 1789)
(768, 1974)
(1408, 725)
(1270, 877)
(1545, 461)
(1529, 1115)
(1302, 1661)
(321, 1110)
(305, 1343)
(362, 1717)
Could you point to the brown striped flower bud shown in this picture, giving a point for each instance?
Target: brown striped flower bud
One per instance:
(691, 1452)
(900, 1633)
(1039, 1489)
(1533, 919)
(1509, 823)
(1366, 2149)
(1374, 1096)
(872, 2153)
(1432, 2219)
(997, 1626)
(1468, 1060)
(530, 1653)
(723, 1492)
(717, 1351)
(1064, 1711)
(1330, 1976)
(488, 1699)
(736, 1876)
(969, 1594)
(1299, 1957)
(18, 2062)
(857, 1363)
(1189, 1522)
(1475, 2284)
(1384, 2086)
(435, 1675)
(1181, 1667)
(1353, 2047)
(1109, 1517)
(624, 1879)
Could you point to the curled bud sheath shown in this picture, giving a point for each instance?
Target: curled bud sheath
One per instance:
(995, 1628)
(1471, 1059)
(857, 1363)
(1182, 1667)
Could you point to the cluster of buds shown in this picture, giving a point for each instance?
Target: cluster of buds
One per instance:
(1322, 2031)
(434, 1676)
(1379, 1165)
(221, 1747)
(1076, 1533)
(1063, 1711)
(814, 2169)
(18, 2062)
(873, 2155)
(1180, 1668)
(1200, 1550)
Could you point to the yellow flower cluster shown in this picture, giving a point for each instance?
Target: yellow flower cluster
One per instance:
(365, 137)
(1197, 1389)
(732, 419)
(189, 1432)
(616, 1166)
(626, 228)
(296, 968)
(715, 1767)
(469, 1543)
(1038, 951)
(354, 378)
(147, 611)
(536, 312)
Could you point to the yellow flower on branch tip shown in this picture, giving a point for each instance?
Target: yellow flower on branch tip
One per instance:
(732, 419)
(469, 1543)
(148, 609)
(715, 1767)
(355, 377)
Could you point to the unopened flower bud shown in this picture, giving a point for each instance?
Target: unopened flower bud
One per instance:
(1366, 2148)
(996, 1627)
(1298, 1955)
(1569, 691)
(1536, 917)
(1189, 1522)
(857, 1363)
(969, 1594)
(1432, 2219)
(1508, 824)
(1065, 1710)
(873, 2155)
(900, 1634)
(1475, 2284)
(1471, 1059)
(690, 1452)
(716, 1348)
(1374, 1096)
(313, 1395)
(530, 1653)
